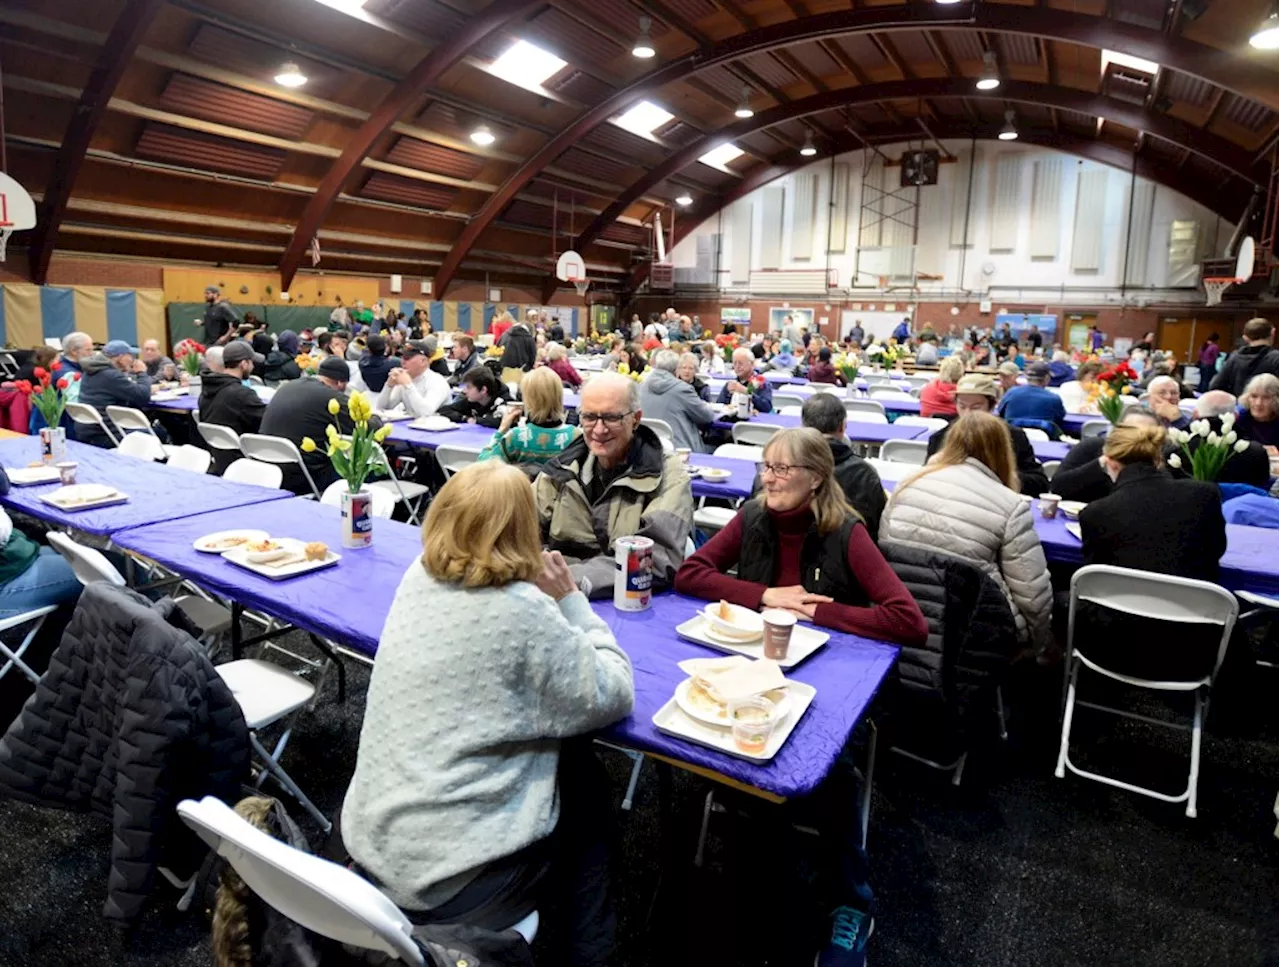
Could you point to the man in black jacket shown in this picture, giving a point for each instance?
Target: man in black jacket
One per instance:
(227, 401)
(520, 351)
(1256, 357)
(976, 393)
(482, 392)
(113, 377)
(861, 484)
(220, 320)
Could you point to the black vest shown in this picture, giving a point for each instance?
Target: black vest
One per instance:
(823, 568)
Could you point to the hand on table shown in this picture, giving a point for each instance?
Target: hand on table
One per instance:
(139, 367)
(556, 580)
(795, 599)
(398, 377)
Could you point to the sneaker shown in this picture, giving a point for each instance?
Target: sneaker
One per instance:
(850, 931)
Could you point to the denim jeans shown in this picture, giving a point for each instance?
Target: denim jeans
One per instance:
(49, 580)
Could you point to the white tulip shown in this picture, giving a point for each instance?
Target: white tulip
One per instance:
(1231, 437)
(1175, 461)
(1228, 421)
(1241, 446)
(1177, 436)
(1200, 427)
(1214, 439)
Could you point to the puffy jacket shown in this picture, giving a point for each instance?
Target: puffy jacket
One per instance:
(103, 385)
(652, 498)
(129, 719)
(1244, 364)
(666, 397)
(520, 351)
(279, 367)
(966, 511)
(944, 687)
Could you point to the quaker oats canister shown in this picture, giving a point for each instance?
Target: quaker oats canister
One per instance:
(633, 573)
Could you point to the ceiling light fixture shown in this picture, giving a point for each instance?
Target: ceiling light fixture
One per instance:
(352, 7)
(1267, 36)
(291, 75)
(808, 150)
(483, 136)
(684, 199)
(947, 3)
(1008, 132)
(643, 47)
(744, 107)
(990, 78)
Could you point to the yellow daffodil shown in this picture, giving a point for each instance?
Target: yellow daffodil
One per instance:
(382, 433)
(333, 407)
(308, 445)
(1126, 389)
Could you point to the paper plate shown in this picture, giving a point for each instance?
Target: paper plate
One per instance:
(222, 541)
(1071, 508)
(84, 492)
(712, 713)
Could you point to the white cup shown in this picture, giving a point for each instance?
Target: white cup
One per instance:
(1049, 505)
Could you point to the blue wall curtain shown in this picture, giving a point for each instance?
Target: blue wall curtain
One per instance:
(57, 312)
(122, 315)
(490, 310)
(435, 314)
(464, 316)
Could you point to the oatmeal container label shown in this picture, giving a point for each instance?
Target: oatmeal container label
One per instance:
(633, 575)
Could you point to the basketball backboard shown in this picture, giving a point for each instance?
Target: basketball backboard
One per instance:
(570, 267)
(17, 210)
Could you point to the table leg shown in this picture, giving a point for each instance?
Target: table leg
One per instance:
(868, 777)
(325, 649)
(237, 638)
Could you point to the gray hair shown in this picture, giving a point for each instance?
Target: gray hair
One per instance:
(76, 341)
(1264, 385)
(744, 352)
(1008, 369)
(429, 343)
(824, 412)
(689, 358)
(1061, 356)
(213, 359)
(1213, 403)
(665, 359)
(555, 351)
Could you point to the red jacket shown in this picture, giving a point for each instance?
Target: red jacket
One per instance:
(821, 372)
(938, 399)
(499, 329)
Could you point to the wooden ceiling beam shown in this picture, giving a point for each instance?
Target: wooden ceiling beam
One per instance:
(837, 53)
(886, 47)
(939, 48)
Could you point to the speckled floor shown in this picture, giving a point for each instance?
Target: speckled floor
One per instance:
(1013, 869)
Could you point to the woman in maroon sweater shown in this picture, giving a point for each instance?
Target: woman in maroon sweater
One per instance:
(558, 364)
(801, 547)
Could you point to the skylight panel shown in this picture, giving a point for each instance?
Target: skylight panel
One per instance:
(352, 7)
(526, 65)
(721, 156)
(1126, 60)
(643, 119)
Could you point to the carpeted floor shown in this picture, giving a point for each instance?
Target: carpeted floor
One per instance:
(1012, 868)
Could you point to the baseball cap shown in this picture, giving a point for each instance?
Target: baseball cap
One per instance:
(415, 347)
(976, 384)
(1038, 371)
(118, 347)
(237, 351)
(335, 368)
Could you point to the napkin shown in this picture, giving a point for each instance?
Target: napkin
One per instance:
(734, 678)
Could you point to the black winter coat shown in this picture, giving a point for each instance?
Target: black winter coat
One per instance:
(1031, 473)
(129, 719)
(521, 351)
(1244, 364)
(226, 401)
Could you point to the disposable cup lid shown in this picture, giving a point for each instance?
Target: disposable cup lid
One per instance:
(776, 616)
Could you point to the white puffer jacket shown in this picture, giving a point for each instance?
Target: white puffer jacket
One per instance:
(965, 510)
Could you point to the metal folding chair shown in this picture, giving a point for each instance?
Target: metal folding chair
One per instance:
(277, 450)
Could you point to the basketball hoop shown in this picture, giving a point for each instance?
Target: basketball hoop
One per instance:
(1213, 289)
(581, 284)
(5, 232)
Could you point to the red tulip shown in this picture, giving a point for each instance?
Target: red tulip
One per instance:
(75, 377)
(62, 383)
(41, 372)
(24, 387)
(57, 365)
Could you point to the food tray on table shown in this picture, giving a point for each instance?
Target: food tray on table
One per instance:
(714, 475)
(84, 496)
(393, 416)
(671, 720)
(435, 424)
(804, 641)
(293, 564)
(29, 476)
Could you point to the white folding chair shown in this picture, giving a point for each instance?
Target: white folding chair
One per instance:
(757, 434)
(787, 410)
(14, 655)
(320, 895)
(932, 423)
(916, 382)
(864, 406)
(8, 365)
(1035, 435)
(740, 451)
(914, 452)
(828, 388)
(128, 420)
(406, 492)
(87, 415)
(1154, 597)
(144, 446)
(787, 399)
(384, 504)
(219, 437)
(1050, 467)
(888, 393)
(187, 457)
(277, 450)
(249, 471)
(453, 459)
(876, 380)
(1093, 428)
(665, 434)
(863, 416)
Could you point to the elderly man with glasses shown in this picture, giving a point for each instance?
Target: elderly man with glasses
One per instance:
(614, 481)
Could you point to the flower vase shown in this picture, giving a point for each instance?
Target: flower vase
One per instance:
(53, 444)
(357, 518)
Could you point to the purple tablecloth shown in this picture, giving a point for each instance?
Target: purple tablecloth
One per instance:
(1073, 423)
(735, 487)
(156, 492)
(349, 603)
(466, 435)
(1049, 449)
(859, 432)
(183, 404)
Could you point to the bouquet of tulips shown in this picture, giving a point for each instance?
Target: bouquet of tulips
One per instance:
(625, 370)
(1212, 452)
(307, 363)
(580, 346)
(47, 394)
(189, 354)
(1114, 384)
(354, 457)
(847, 366)
(493, 352)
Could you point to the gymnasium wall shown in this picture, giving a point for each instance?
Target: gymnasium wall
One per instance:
(30, 314)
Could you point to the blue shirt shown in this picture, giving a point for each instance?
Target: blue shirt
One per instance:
(1032, 403)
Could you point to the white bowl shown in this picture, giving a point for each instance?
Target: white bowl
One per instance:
(262, 557)
(747, 625)
(1071, 508)
(716, 473)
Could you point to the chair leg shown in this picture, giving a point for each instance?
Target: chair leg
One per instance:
(958, 775)
(15, 657)
(1004, 731)
(270, 765)
(1060, 769)
(1193, 780)
(635, 778)
(868, 777)
(707, 807)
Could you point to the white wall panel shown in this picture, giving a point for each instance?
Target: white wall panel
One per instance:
(1006, 192)
(771, 202)
(961, 203)
(1046, 209)
(1086, 241)
(804, 208)
(1138, 240)
(739, 242)
(839, 211)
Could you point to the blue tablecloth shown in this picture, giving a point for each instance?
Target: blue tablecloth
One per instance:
(349, 603)
(466, 435)
(859, 432)
(156, 492)
(735, 487)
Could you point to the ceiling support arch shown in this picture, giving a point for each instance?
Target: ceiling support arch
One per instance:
(1216, 149)
(425, 73)
(127, 32)
(1251, 77)
(1227, 205)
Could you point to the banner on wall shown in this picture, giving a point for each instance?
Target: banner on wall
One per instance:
(1020, 323)
(735, 315)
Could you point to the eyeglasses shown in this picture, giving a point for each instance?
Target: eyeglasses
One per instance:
(782, 470)
(610, 420)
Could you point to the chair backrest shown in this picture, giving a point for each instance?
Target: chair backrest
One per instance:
(917, 382)
(877, 380)
(187, 457)
(862, 416)
(256, 380)
(740, 451)
(1095, 428)
(319, 895)
(787, 399)
(915, 452)
(864, 406)
(754, 433)
(827, 388)
(787, 410)
(89, 564)
(933, 423)
(144, 446)
(89, 416)
(127, 418)
(384, 504)
(888, 393)
(249, 471)
(1035, 435)
(8, 364)
(1149, 595)
(219, 437)
(1050, 467)
(453, 459)
(665, 434)
(277, 450)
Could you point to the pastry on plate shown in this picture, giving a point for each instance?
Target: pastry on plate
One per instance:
(316, 551)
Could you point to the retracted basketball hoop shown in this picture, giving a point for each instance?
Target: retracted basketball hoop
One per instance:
(17, 210)
(1215, 286)
(571, 268)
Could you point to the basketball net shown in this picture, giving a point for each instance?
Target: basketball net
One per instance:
(581, 285)
(4, 240)
(1213, 289)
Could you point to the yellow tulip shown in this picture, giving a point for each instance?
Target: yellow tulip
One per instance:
(359, 408)
(624, 369)
(382, 433)
(333, 407)
(308, 445)
(1110, 393)
(343, 445)
(1126, 390)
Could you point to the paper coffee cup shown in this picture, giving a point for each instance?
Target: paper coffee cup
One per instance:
(684, 453)
(778, 625)
(1049, 505)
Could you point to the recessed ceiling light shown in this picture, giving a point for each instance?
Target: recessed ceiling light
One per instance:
(744, 106)
(483, 136)
(1008, 132)
(684, 200)
(808, 150)
(1267, 36)
(990, 78)
(643, 47)
(291, 76)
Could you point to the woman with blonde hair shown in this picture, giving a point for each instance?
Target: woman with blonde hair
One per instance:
(468, 784)
(965, 502)
(543, 434)
(799, 546)
(938, 398)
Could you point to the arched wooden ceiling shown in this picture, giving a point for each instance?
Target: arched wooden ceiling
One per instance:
(174, 141)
